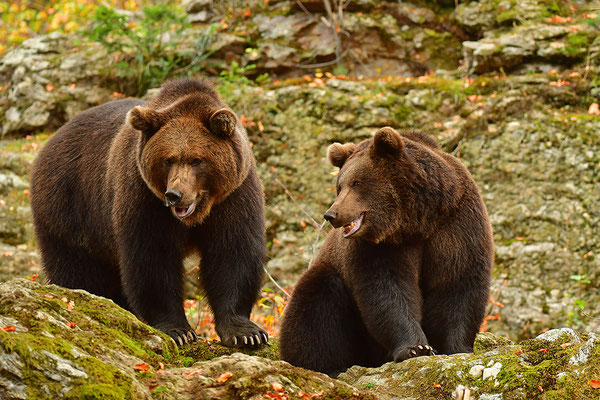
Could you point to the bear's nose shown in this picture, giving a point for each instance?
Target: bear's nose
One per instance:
(330, 215)
(173, 196)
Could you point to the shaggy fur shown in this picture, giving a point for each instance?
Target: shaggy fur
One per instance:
(98, 195)
(413, 277)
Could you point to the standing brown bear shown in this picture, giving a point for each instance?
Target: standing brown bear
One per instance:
(407, 273)
(98, 194)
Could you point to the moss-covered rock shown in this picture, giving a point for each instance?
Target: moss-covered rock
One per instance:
(69, 344)
(556, 365)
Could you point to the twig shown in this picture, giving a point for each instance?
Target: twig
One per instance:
(275, 282)
(314, 246)
(280, 183)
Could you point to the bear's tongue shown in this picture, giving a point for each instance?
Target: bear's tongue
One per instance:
(184, 212)
(353, 226)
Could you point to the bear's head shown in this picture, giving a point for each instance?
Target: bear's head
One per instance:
(193, 152)
(383, 186)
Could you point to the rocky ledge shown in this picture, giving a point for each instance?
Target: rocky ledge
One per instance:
(56, 342)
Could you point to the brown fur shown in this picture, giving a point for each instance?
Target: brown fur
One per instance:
(416, 273)
(99, 193)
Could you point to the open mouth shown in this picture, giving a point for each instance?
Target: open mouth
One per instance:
(353, 226)
(183, 212)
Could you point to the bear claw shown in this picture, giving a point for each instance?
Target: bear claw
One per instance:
(413, 351)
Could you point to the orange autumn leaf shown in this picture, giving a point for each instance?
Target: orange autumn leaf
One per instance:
(540, 389)
(277, 386)
(141, 368)
(594, 383)
(544, 351)
(48, 296)
(224, 376)
(594, 109)
(34, 277)
(565, 345)
(260, 126)
(437, 385)
(519, 351)
(303, 395)
(280, 396)
(276, 241)
(117, 94)
(303, 223)
(9, 328)
(49, 87)
(71, 324)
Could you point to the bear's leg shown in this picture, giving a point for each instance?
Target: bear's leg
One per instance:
(74, 267)
(232, 245)
(151, 266)
(322, 329)
(452, 317)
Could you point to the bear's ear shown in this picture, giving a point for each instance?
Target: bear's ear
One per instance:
(387, 142)
(222, 122)
(339, 153)
(144, 119)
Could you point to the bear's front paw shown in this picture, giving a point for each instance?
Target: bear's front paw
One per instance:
(241, 332)
(181, 335)
(413, 351)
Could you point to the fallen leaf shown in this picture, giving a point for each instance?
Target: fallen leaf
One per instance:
(565, 345)
(519, 351)
(277, 386)
(260, 126)
(276, 241)
(437, 385)
(141, 368)
(117, 94)
(71, 324)
(224, 376)
(540, 389)
(595, 383)
(594, 109)
(544, 351)
(303, 395)
(9, 328)
(49, 87)
(48, 296)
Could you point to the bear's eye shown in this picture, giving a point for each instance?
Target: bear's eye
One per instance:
(356, 183)
(195, 162)
(169, 162)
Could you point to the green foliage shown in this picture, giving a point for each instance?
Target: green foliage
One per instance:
(148, 50)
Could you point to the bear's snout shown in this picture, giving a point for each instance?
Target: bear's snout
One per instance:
(173, 196)
(330, 216)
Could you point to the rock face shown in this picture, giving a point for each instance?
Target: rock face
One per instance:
(49, 80)
(69, 344)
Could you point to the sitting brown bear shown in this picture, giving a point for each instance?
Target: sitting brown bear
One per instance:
(406, 272)
(98, 194)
